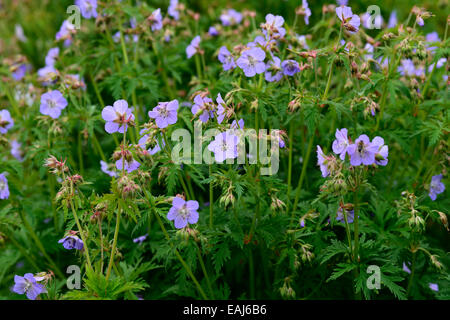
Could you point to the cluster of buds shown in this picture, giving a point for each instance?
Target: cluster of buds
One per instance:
(371, 106)
(435, 262)
(406, 48)
(99, 212)
(276, 204)
(185, 233)
(421, 14)
(286, 290)
(44, 277)
(127, 187)
(307, 254)
(272, 30)
(444, 220)
(73, 81)
(408, 205)
(328, 8)
(228, 197)
(55, 166)
(123, 154)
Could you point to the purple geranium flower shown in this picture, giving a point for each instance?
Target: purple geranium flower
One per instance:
(203, 105)
(273, 70)
(172, 10)
(6, 122)
(156, 20)
(106, 168)
(213, 31)
(226, 59)
(183, 212)
(72, 242)
(65, 33)
(28, 284)
(369, 23)
(322, 162)
(290, 67)
(438, 64)
(15, 150)
(381, 156)
(128, 165)
(140, 239)
(405, 268)
(340, 215)
(51, 57)
(341, 143)
(237, 125)
(349, 20)
(362, 151)
(436, 186)
(392, 19)
(117, 117)
(302, 40)
(220, 112)
(433, 286)
(231, 17)
(52, 103)
(193, 47)
(307, 11)
(47, 75)
(146, 139)
(4, 189)
(165, 113)
(224, 146)
(273, 28)
(20, 71)
(88, 8)
(252, 62)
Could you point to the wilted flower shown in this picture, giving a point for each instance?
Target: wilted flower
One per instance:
(252, 62)
(224, 146)
(436, 186)
(28, 285)
(183, 212)
(165, 113)
(117, 117)
(349, 20)
(4, 189)
(6, 122)
(72, 242)
(52, 103)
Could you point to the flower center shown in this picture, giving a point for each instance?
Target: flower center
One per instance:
(183, 211)
(251, 61)
(163, 112)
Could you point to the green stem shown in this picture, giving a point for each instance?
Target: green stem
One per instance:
(302, 175)
(205, 273)
(113, 250)
(291, 143)
(39, 244)
(86, 249)
(211, 199)
(252, 274)
(413, 269)
(186, 267)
